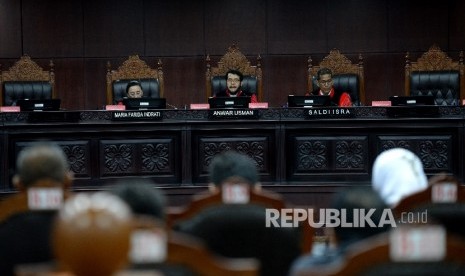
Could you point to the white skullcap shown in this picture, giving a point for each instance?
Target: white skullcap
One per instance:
(398, 173)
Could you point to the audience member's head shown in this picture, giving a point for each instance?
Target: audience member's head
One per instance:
(41, 162)
(142, 197)
(92, 234)
(352, 200)
(398, 173)
(233, 165)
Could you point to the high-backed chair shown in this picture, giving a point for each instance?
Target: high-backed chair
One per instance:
(443, 201)
(154, 248)
(240, 231)
(26, 220)
(231, 220)
(152, 80)
(347, 76)
(26, 80)
(234, 59)
(421, 250)
(436, 74)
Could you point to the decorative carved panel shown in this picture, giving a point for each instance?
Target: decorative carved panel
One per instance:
(435, 152)
(433, 60)
(135, 68)
(343, 154)
(78, 153)
(137, 157)
(25, 69)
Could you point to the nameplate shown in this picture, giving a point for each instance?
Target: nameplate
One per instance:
(328, 112)
(115, 107)
(137, 115)
(10, 109)
(199, 106)
(381, 103)
(233, 114)
(258, 105)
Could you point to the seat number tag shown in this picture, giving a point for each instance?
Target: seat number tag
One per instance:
(420, 244)
(235, 193)
(444, 193)
(148, 246)
(45, 198)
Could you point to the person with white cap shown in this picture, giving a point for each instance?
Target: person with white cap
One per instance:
(396, 174)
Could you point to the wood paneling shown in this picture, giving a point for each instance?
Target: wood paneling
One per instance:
(240, 22)
(52, 28)
(172, 31)
(10, 29)
(296, 27)
(113, 28)
(416, 25)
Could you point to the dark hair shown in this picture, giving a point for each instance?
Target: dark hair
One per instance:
(142, 197)
(356, 198)
(323, 71)
(132, 83)
(234, 72)
(41, 161)
(233, 164)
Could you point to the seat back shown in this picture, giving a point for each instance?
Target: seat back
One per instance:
(239, 231)
(155, 248)
(419, 250)
(436, 74)
(26, 80)
(134, 68)
(234, 59)
(347, 76)
(443, 201)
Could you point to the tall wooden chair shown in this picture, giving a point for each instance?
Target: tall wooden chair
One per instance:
(347, 76)
(234, 59)
(152, 80)
(436, 74)
(231, 220)
(153, 247)
(443, 201)
(405, 250)
(26, 80)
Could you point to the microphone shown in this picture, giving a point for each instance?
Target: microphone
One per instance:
(172, 106)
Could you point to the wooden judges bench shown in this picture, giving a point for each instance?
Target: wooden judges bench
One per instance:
(305, 154)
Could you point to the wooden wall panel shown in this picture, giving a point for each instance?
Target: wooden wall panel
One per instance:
(296, 27)
(113, 28)
(456, 25)
(240, 22)
(184, 80)
(174, 28)
(95, 72)
(356, 26)
(71, 88)
(284, 75)
(52, 28)
(10, 29)
(415, 25)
